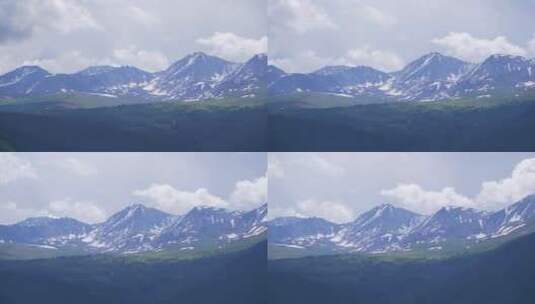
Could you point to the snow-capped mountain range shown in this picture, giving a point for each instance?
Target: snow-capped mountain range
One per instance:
(199, 76)
(196, 77)
(387, 228)
(429, 78)
(138, 228)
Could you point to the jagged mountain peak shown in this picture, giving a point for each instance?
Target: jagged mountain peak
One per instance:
(525, 206)
(500, 63)
(134, 217)
(263, 57)
(138, 228)
(498, 74)
(133, 210)
(431, 77)
(196, 76)
(19, 80)
(385, 217)
(431, 67)
(434, 58)
(196, 59)
(454, 212)
(385, 209)
(386, 228)
(263, 209)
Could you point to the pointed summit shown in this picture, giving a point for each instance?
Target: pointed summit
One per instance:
(246, 79)
(21, 81)
(432, 67)
(133, 218)
(260, 58)
(385, 217)
(198, 60)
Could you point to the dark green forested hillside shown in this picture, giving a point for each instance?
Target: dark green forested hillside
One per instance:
(226, 125)
(288, 125)
(465, 125)
(236, 277)
(502, 275)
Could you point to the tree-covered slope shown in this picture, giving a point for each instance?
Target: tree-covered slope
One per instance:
(235, 277)
(502, 124)
(64, 125)
(502, 275)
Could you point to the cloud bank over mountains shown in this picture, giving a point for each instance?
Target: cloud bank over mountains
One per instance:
(66, 36)
(340, 186)
(387, 34)
(91, 187)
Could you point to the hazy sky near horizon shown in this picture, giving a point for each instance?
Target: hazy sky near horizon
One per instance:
(69, 35)
(387, 34)
(92, 186)
(340, 186)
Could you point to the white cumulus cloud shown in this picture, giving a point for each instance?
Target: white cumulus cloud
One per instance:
(330, 210)
(415, 198)
(493, 195)
(246, 195)
(474, 49)
(503, 192)
(165, 197)
(249, 194)
(234, 47)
